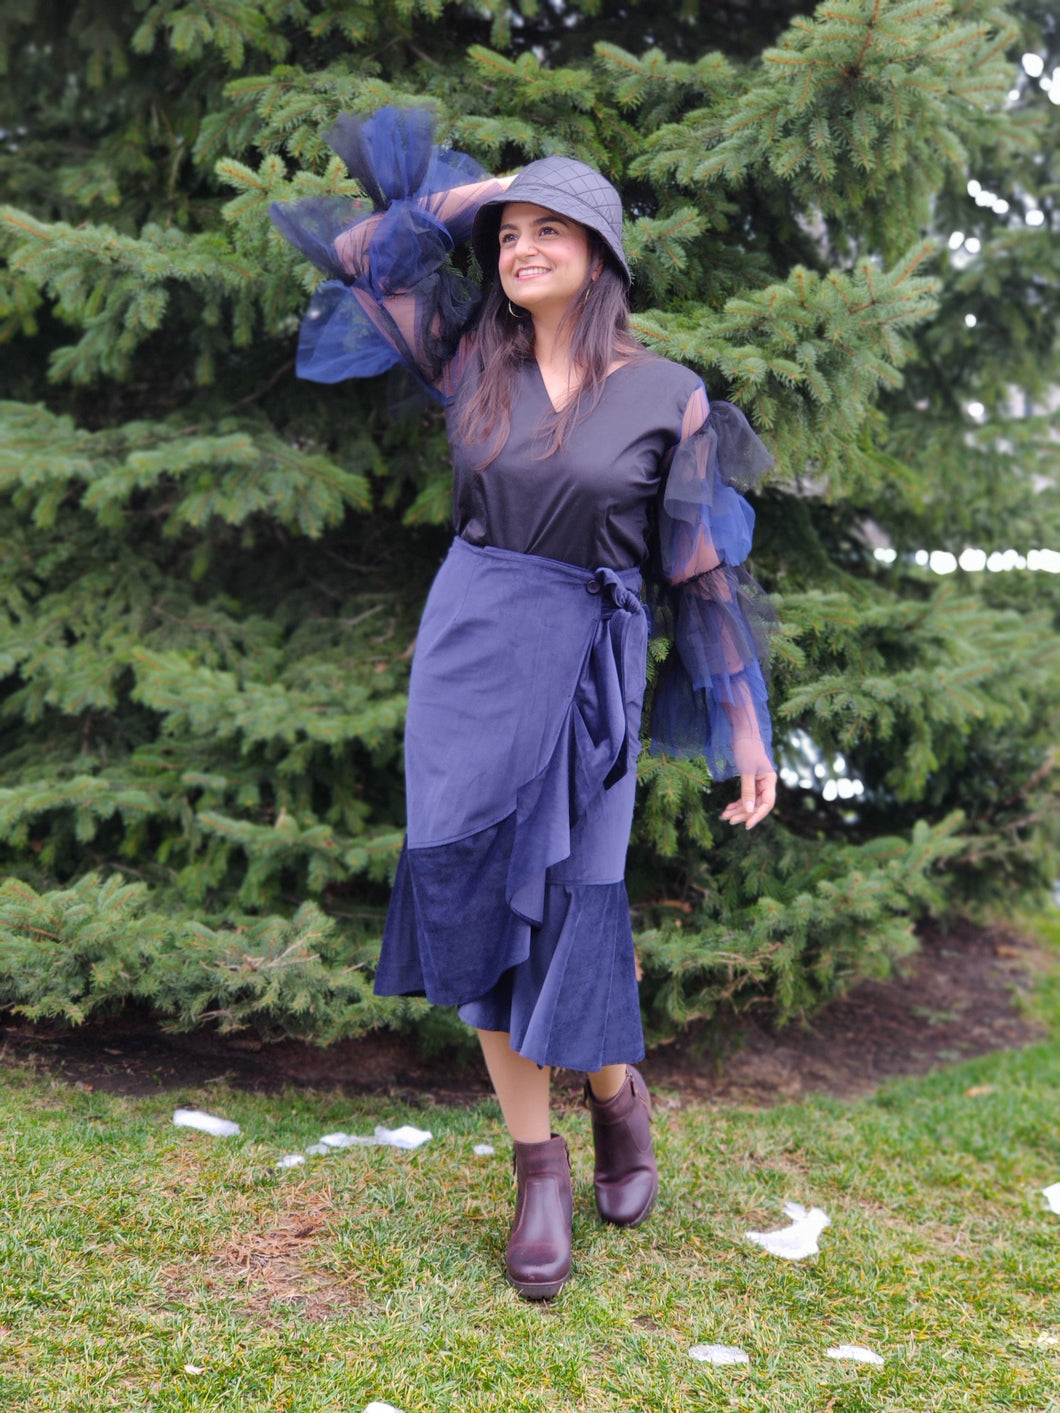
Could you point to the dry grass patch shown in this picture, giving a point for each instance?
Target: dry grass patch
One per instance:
(279, 1267)
(278, 1264)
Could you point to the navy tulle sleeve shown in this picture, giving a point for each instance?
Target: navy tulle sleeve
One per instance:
(710, 698)
(390, 296)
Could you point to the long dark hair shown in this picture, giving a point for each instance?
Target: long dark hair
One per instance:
(597, 323)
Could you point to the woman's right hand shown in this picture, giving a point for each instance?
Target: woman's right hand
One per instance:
(758, 795)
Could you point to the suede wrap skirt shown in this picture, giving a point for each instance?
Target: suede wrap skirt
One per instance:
(520, 763)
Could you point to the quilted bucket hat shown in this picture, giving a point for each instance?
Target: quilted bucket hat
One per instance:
(560, 184)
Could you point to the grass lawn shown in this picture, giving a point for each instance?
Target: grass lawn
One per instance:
(149, 1267)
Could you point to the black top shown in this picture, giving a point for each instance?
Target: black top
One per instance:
(591, 502)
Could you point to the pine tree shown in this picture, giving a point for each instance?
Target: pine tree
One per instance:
(212, 573)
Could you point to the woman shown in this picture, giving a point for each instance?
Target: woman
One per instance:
(577, 456)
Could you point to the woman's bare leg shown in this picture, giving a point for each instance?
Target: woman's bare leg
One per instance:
(521, 1087)
(606, 1083)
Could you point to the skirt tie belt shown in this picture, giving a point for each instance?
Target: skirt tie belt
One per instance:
(622, 595)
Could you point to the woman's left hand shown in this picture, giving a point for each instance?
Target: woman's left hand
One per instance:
(758, 794)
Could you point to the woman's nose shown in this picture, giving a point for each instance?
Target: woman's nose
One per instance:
(524, 244)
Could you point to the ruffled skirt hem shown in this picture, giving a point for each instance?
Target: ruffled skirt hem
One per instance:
(570, 1001)
(573, 1003)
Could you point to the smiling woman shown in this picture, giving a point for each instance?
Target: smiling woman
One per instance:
(579, 459)
(544, 260)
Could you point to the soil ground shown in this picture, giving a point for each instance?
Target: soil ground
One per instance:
(961, 995)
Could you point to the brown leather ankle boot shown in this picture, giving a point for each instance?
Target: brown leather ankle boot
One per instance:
(625, 1176)
(538, 1255)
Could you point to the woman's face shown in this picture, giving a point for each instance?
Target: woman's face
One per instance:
(544, 259)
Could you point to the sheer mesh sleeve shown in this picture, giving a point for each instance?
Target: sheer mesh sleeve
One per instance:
(710, 698)
(390, 296)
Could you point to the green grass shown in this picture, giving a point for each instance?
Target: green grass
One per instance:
(130, 1249)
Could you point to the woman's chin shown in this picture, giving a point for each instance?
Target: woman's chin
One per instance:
(525, 294)
(540, 301)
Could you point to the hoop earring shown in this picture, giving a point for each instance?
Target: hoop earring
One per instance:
(512, 312)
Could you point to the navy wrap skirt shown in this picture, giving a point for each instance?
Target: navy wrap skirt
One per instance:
(520, 761)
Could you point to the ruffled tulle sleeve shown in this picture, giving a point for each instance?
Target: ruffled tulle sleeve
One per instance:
(390, 296)
(710, 698)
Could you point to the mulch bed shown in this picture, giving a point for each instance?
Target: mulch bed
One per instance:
(959, 996)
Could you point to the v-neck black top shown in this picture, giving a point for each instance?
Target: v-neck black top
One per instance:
(590, 503)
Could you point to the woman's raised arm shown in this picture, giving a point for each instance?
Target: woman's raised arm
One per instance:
(392, 297)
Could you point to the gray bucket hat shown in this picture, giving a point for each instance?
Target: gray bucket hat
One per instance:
(560, 184)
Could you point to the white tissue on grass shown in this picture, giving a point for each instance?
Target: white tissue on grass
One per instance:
(381, 1408)
(719, 1354)
(857, 1352)
(1052, 1196)
(483, 1150)
(798, 1240)
(209, 1123)
(404, 1137)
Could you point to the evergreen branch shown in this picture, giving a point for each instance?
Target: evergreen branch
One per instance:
(205, 701)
